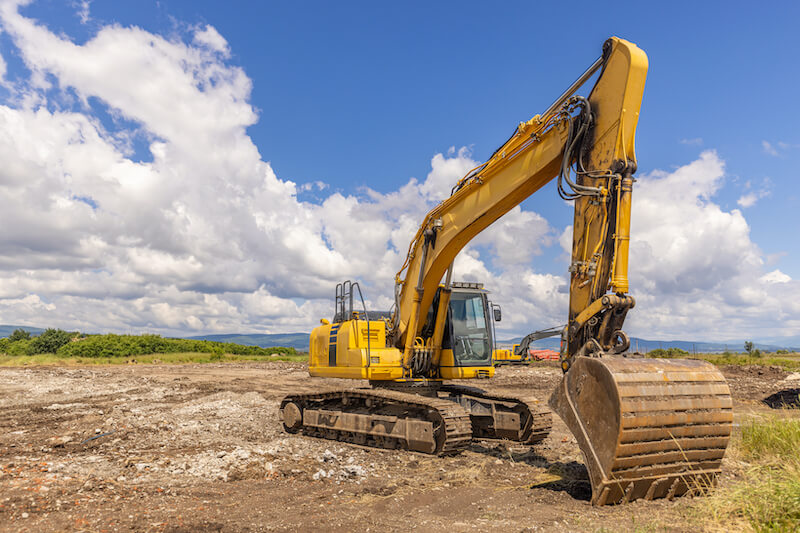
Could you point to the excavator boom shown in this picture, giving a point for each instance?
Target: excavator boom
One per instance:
(599, 140)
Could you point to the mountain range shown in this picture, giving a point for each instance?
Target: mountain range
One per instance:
(645, 345)
(299, 341)
(6, 330)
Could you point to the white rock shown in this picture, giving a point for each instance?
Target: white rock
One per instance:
(328, 456)
(321, 474)
(241, 454)
(353, 471)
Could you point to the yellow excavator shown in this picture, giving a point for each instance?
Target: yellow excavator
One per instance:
(519, 353)
(647, 428)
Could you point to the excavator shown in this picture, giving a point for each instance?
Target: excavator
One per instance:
(519, 353)
(647, 428)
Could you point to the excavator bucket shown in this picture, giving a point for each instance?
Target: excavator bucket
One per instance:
(648, 428)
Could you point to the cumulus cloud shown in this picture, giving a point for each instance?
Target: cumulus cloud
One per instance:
(196, 232)
(694, 269)
(211, 38)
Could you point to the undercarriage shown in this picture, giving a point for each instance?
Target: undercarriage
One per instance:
(430, 418)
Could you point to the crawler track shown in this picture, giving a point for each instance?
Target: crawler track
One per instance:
(380, 418)
(527, 421)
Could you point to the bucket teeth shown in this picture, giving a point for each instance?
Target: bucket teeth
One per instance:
(647, 428)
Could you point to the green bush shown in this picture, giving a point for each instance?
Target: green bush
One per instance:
(19, 335)
(129, 345)
(51, 340)
(669, 352)
(20, 347)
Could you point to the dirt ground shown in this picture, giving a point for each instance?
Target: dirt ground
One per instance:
(185, 448)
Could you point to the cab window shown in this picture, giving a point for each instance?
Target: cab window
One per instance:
(471, 341)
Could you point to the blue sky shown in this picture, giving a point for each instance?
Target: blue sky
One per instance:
(365, 94)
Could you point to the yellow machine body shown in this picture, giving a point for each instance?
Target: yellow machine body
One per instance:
(508, 355)
(357, 349)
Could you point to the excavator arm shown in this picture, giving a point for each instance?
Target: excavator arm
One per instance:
(525, 344)
(596, 136)
(647, 428)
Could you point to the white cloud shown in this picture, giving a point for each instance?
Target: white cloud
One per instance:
(83, 10)
(204, 235)
(747, 200)
(750, 199)
(694, 269)
(210, 37)
(768, 148)
(200, 234)
(696, 141)
(778, 148)
(776, 276)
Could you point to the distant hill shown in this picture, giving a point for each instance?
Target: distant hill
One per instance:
(644, 345)
(298, 341)
(6, 330)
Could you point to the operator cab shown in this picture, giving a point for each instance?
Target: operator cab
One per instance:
(468, 328)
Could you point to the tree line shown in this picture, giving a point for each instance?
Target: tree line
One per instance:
(76, 344)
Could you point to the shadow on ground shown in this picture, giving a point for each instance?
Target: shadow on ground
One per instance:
(571, 477)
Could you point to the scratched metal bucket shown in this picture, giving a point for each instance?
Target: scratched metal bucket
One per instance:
(648, 428)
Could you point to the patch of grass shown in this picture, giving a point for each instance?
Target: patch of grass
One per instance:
(766, 498)
(156, 358)
(771, 438)
(790, 362)
(634, 527)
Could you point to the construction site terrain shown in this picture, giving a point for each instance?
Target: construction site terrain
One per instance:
(188, 448)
